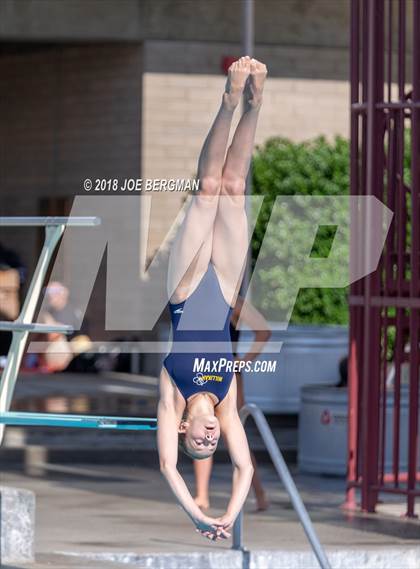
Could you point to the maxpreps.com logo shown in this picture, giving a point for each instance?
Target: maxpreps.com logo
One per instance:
(202, 379)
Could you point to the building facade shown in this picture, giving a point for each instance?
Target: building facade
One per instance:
(127, 89)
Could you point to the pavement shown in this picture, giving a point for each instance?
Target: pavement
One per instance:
(102, 502)
(88, 515)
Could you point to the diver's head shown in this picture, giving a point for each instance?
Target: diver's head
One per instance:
(199, 435)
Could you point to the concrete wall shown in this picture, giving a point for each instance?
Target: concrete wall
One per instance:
(310, 23)
(285, 22)
(67, 20)
(66, 113)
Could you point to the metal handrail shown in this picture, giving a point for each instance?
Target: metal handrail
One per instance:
(54, 229)
(285, 476)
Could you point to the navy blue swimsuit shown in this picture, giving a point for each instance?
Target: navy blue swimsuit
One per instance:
(200, 321)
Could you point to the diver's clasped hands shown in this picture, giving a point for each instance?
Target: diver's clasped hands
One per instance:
(215, 528)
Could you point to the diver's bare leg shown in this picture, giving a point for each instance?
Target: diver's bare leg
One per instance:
(240, 151)
(230, 235)
(191, 249)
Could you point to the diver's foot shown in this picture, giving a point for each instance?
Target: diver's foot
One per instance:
(202, 503)
(238, 73)
(258, 73)
(262, 502)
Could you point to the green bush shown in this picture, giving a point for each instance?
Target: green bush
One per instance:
(313, 168)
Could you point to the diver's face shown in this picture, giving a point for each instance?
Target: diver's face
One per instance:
(202, 434)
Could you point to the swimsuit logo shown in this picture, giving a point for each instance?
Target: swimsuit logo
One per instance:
(201, 379)
(178, 311)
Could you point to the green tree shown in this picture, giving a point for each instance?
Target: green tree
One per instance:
(312, 168)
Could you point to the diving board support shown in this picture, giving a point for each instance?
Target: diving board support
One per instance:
(54, 229)
(285, 476)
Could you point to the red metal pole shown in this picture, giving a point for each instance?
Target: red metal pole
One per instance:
(413, 422)
(353, 379)
(374, 180)
(400, 221)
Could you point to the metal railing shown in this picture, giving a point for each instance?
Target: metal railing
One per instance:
(23, 325)
(384, 305)
(286, 478)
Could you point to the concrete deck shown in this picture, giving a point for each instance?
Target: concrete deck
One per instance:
(98, 513)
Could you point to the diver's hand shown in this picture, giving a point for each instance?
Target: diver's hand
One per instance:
(214, 535)
(211, 528)
(205, 523)
(226, 521)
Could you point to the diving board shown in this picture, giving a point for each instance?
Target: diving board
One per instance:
(78, 421)
(18, 326)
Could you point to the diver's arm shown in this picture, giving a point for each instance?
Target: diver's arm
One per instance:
(242, 466)
(237, 444)
(167, 440)
(247, 313)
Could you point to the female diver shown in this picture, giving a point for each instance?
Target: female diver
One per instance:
(197, 385)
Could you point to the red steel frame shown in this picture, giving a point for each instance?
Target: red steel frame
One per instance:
(385, 117)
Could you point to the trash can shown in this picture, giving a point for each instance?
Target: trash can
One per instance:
(323, 426)
(322, 438)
